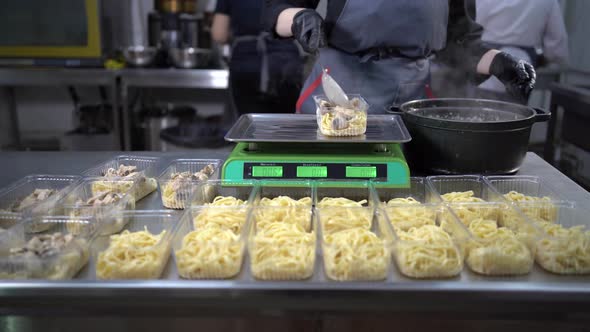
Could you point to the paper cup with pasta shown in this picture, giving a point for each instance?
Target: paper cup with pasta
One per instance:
(141, 250)
(213, 248)
(54, 254)
(355, 252)
(336, 120)
(280, 245)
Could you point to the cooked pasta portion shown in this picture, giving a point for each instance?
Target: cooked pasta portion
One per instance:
(465, 206)
(282, 251)
(335, 120)
(210, 252)
(337, 219)
(225, 211)
(133, 255)
(177, 190)
(564, 250)
(497, 251)
(405, 213)
(144, 185)
(537, 208)
(428, 252)
(355, 254)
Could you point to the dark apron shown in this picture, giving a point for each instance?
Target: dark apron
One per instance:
(380, 51)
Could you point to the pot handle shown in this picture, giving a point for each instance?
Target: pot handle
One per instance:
(541, 115)
(393, 110)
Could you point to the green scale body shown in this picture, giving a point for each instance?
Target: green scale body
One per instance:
(285, 163)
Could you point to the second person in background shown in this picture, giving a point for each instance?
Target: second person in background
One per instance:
(266, 74)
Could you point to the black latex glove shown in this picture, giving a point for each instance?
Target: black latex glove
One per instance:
(308, 30)
(518, 76)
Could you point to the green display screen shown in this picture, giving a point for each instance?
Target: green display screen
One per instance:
(312, 171)
(267, 171)
(361, 172)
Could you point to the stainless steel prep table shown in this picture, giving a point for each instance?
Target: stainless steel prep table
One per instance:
(531, 295)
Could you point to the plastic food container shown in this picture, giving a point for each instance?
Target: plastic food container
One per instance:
(107, 215)
(534, 198)
(276, 194)
(281, 249)
(204, 193)
(361, 192)
(131, 260)
(15, 193)
(146, 179)
(207, 252)
(405, 207)
(175, 194)
(498, 246)
(64, 263)
(338, 121)
(431, 251)
(356, 254)
(564, 245)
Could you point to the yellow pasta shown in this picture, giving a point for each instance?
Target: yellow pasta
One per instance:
(225, 212)
(537, 208)
(210, 252)
(564, 250)
(286, 201)
(337, 219)
(428, 252)
(340, 202)
(355, 254)
(340, 121)
(468, 212)
(497, 251)
(133, 255)
(282, 251)
(405, 213)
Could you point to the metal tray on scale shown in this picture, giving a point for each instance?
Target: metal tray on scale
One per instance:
(303, 128)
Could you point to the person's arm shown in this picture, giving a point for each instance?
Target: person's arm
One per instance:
(466, 49)
(220, 28)
(555, 45)
(278, 14)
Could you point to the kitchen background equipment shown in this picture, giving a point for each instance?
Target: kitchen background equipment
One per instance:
(189, 57)
(156, 118)
(289, 147)
(139, 56)
(459, 136)
(201, 132)
(93, 125)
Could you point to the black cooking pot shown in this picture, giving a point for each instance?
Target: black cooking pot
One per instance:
(464, 136)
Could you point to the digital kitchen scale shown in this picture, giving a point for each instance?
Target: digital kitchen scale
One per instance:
(289, 147)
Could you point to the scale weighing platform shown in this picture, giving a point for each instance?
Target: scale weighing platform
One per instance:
(289, 147)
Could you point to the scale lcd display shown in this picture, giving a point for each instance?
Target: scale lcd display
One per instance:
(312, 171)
(361, 172)
(267, 171)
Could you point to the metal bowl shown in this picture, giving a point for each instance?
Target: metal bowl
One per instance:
(190, 57)
(139, 56)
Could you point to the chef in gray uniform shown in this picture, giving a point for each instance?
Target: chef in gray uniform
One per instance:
(381, 49)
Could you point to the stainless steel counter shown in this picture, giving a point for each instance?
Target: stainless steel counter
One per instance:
(535, 294)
